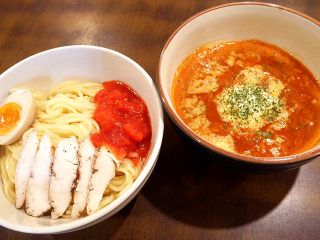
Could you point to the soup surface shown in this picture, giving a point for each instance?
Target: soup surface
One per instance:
(249, 97)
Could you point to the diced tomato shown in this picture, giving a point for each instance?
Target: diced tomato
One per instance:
(117, 138)
(132, 132)
(96, 140)
(101, 96)
(124, 121)
(129, 107)
(144, 128)
(116, 95)
(143, 147)
(107, 118)
(120, 153)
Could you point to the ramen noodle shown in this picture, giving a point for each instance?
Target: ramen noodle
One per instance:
(66, 110)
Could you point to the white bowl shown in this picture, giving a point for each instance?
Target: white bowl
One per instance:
(46, 69)
(288, 29)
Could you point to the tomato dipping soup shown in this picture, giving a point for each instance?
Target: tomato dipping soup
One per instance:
(125, 125)
(249, 97)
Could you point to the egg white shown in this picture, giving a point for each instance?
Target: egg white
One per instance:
(25, 100)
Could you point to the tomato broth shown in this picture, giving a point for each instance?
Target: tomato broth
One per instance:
(249, 97)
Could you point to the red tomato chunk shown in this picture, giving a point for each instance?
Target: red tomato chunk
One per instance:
(123, 117)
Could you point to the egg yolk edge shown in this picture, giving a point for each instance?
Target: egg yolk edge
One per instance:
(10, 115)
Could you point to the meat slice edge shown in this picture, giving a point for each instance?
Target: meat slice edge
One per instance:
(37, 196)
(24, 165)
(87, 156)
(64, 173)
(103, 172)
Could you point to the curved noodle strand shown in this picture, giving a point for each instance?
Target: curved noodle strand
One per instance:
(121, 182)
(66, 110)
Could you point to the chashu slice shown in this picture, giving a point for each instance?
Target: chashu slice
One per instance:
(24, 165)
(64, 173)
(103, 172)
(87, 154)
(37, 196)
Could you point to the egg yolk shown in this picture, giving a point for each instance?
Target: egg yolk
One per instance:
(10, 115)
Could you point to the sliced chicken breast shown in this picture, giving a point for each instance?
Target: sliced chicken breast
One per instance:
(37, 196)
(24, 165)
(103, 172)
(87, 154)
(64, 173)
(116, 161)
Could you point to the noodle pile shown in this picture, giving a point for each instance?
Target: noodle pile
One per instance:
(66, 110)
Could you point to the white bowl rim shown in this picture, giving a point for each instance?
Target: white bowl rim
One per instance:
(127, 196)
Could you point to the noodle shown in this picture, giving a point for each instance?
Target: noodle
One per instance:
(66, 110)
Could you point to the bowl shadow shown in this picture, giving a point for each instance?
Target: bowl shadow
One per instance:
(206, 195)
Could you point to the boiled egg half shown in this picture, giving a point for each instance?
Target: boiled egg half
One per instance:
(17, 113)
